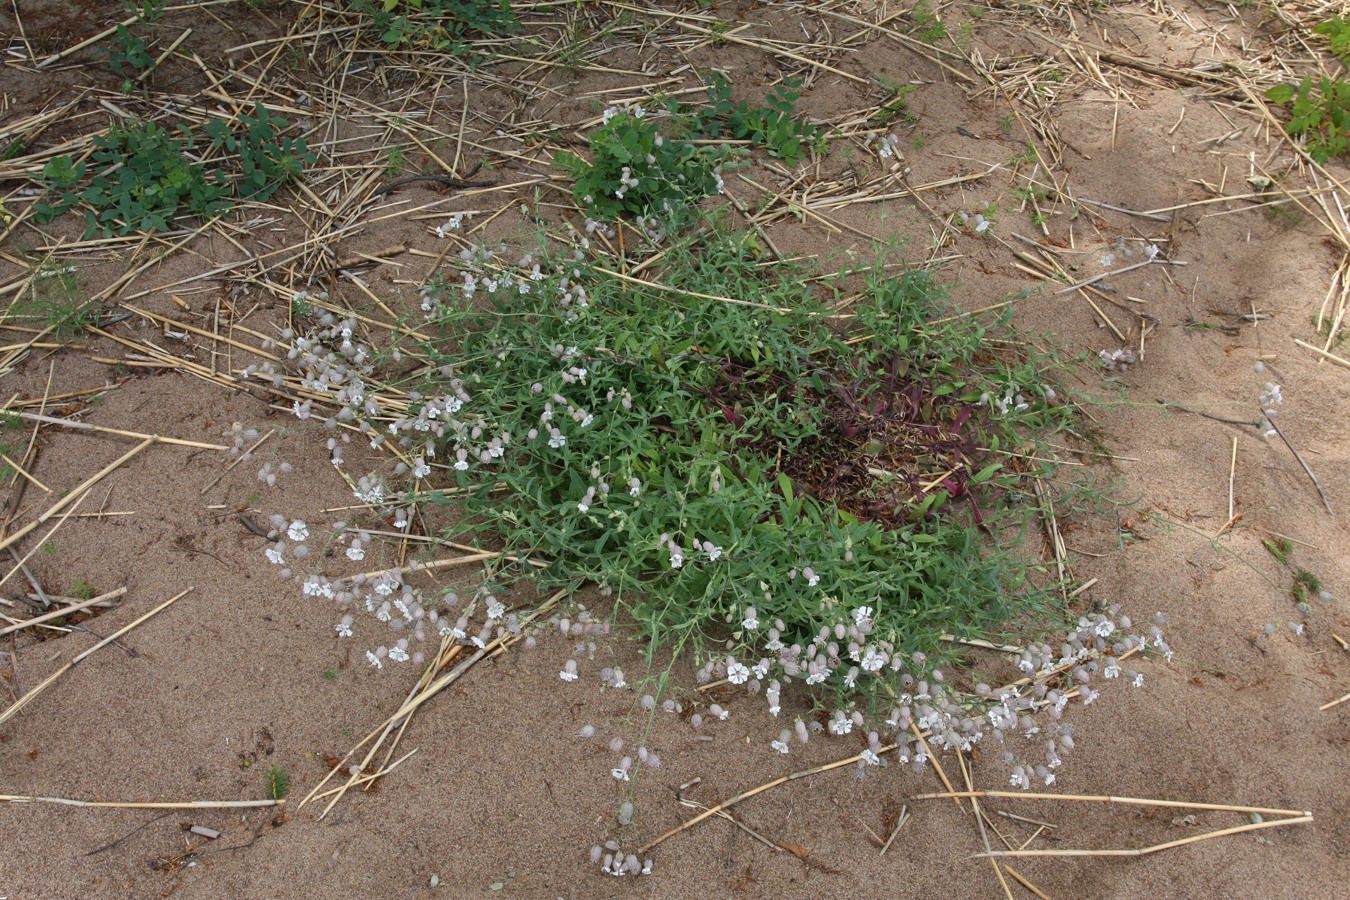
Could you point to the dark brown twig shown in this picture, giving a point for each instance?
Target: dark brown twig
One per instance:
(1298, 456)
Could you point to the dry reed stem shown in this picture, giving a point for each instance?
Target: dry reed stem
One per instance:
(1158, 848)
(1133, 801)
(100, 600)
(51, 679)
(1324, 707)
(75, 494)
(122, 804)
(1024, 883)
(745, 795)
(100, 429)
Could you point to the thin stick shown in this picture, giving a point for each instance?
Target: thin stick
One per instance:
(1024, 883)
(1103, 798)
(70, 498)
(1337, 702)
(1340, 361)
(1120, 271)
(242, 456)
(123, 630)
(117, 804)
(1298, 456)
(1156, 848)
(85, 426)
(745, 795)
(22, 562)
(24, 472)
(895, 832)
(64, 611)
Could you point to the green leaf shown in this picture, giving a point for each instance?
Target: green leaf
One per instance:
(1280, 93)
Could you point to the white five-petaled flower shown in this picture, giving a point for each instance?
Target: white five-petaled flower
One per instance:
(811, 577)
(780, 746)
(569, 671)
(870, 757)
(738, 673)
(398, 654)
(343, 629)
(355, 553)
(1138, 680)
(374, 660)
(274, 555)
(619, 774)
(751, 620)
(298, 531)
(862, 614)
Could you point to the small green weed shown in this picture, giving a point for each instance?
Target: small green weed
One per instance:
(636, 170)
(395, 161)
(83, 590)
(130, 49)
(329, 675)
(437, 24)
(895, 106)
(1306, 585)
(927, 26)
(140, 177)
(276, 783)
(1280, 548)
(1320, 107)
(775, 125)
(55, 299)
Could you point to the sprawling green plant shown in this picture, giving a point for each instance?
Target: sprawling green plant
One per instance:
(681, 450)
(142, 176)
(636, 169)
(439, 24)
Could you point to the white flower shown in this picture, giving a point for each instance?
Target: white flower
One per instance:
(461, 465)
(714, 554)
(812, 578)
(738, 673)
(398, 654)
(495, 609)
(1138, 680)
(569, 671)
(274, 556)
(583, 506)
(421, 469)
(872, 660)
(1089, 695)
(619, 774)
(374, 660)
(780, 746)
(840, 724)
(1111, 669)
(298, 531)
(862, 614)
(750, 622)
(355, 553)
(343, 629)
(870, 757)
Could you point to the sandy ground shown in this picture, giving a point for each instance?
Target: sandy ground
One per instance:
(502, 797)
